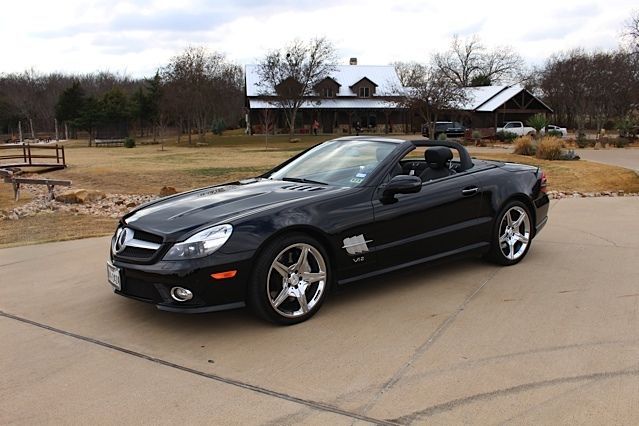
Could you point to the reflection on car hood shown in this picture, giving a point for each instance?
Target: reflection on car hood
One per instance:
(173, 216)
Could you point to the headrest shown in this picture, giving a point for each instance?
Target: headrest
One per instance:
(439, 155)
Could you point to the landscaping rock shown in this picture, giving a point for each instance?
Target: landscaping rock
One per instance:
(80, 196)
(167, 190)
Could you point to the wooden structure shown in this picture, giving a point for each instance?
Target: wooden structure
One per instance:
(26, 155)
(108, 142)
(9, 177)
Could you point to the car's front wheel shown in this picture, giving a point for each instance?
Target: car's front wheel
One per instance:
(511, 234)
(290, 280)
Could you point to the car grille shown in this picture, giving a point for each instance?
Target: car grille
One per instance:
(142, 247)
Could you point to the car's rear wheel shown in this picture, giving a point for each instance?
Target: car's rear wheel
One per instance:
(290, 280)
(512, 234)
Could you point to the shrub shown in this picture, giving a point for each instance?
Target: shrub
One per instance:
(555, 133)
(537, 122)
(505, 136)
(549, 148)
(129, 143)
(524, 145)
(476, 134)
(627, 128)
(441, 137)
(218, 126)
(621, 142)
(582, 141)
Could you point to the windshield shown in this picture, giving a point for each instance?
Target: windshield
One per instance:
(340, 163)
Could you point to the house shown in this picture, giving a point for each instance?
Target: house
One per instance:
(368, 95)
(489, 107)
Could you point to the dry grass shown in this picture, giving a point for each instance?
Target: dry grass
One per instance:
(549, 148)
(48, 227)
(582, 176)
(524, 146)
(146, 168)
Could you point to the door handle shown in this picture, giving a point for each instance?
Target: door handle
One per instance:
(471, 190)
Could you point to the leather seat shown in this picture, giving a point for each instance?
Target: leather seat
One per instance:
(438, 160)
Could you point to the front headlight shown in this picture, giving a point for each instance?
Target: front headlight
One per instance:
(201, 244)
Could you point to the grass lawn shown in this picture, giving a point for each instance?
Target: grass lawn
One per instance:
(147, 168)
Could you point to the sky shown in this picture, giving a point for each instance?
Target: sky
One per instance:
(137, 37)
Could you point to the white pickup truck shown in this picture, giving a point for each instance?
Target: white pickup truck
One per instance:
(517, 127)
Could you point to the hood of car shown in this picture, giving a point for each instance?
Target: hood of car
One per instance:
(173, 216)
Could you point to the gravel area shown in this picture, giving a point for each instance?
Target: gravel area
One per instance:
(116, 205)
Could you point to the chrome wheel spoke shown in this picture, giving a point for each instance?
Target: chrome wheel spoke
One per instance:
(522, 238)
(302, 301)
(281, 269)
(311, 277)
(281, 297)
(302, 262)
(509, 218)
(511, 251)
(519, 221)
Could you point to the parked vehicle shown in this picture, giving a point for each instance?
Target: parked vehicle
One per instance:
(553, 128)
(452, 129)
(343, 210)
(518, 128)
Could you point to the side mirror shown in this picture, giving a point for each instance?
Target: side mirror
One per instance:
(402, 184)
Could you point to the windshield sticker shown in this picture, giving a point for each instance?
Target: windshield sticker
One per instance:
(357, 180)
(361, 175)
(356, 245)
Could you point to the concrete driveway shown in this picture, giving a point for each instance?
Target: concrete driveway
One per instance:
(628, 157)
(554, 339)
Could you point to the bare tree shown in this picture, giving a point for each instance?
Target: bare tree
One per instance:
(429, 91)
(267, 120)
(468, 63)
(631, 32)
(590, 88)
(289, 76)
(201, 86)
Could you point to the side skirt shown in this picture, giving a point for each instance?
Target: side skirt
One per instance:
(464, 250)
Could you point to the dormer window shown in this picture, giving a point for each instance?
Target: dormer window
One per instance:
(364, 88)
(328, 92)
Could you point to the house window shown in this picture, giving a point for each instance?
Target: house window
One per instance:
(364, 92)
(328, 92)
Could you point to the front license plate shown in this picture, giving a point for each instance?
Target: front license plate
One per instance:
(113, 276)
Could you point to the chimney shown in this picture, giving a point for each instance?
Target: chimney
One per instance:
(353, 61)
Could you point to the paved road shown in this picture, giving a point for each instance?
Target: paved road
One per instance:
(554, 339)
(628, 157)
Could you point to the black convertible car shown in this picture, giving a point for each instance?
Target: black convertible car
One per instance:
(343, 210)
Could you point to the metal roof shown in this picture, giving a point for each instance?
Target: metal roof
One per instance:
(346, 103)
(384, 76)
(489, 98)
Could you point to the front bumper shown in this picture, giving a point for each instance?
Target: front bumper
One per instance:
(153, 283)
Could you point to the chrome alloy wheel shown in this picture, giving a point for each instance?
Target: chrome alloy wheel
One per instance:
(514, 233)
(296, 280)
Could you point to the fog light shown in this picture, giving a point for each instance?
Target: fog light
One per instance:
(181, 294)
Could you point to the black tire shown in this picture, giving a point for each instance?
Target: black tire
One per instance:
(268, 285)
(510, 242)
